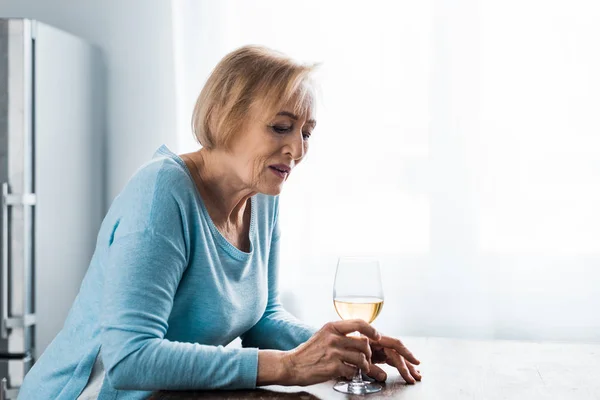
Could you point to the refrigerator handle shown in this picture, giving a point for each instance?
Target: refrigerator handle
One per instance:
(3, 389)
(7, 322)
(4, 266)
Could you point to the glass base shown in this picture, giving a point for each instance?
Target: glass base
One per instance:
(364, 387)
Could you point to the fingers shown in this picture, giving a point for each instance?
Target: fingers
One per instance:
(356, 325)
(377, 355)
(397, 345)
(413, 370)
(377, 373)
(395, 360)
(355, 358)
(356, 343)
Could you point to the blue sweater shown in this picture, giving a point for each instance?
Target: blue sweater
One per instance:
(165, 291)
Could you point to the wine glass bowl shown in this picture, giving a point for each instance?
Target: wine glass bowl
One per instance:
(358, 294)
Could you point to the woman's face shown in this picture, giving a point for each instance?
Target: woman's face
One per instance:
(270, 147)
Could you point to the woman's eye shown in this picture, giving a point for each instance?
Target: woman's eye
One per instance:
(306, 135)
(281, 128)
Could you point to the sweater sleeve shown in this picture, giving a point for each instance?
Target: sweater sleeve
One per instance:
(277, 329)
(143, 273)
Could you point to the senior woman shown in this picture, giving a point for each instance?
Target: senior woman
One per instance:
(186, 261)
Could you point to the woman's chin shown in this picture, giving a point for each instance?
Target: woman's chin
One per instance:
(273, 190)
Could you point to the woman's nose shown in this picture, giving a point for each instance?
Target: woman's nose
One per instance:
(296, 146)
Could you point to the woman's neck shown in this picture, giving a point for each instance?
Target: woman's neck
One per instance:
(223, 193)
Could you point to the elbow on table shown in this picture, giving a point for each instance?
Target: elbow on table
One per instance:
(123, 370)
(120, 379)
(123, 363)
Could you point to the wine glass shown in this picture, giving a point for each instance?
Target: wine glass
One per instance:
(358, 294)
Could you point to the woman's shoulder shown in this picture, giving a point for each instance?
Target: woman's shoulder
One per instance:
(164, 167)
(162, 175)
(158, 193)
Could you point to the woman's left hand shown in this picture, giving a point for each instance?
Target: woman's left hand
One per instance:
(392, 351)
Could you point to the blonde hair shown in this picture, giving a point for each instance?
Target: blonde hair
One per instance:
(246, 77)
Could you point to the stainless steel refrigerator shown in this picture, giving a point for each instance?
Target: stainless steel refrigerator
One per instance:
(51, 173)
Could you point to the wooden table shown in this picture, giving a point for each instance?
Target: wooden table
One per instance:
(464, 369)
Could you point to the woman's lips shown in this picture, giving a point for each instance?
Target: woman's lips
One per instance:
(282, 167)
(280, 172)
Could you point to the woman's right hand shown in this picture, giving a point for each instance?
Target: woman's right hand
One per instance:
(328, 352)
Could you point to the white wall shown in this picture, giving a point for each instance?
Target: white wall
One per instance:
(135, 38)
(463, 153)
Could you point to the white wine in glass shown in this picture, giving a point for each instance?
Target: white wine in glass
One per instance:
(358, 294)
(356, 307)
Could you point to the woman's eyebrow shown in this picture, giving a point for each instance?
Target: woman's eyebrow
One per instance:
(295, 117)
(288, 114)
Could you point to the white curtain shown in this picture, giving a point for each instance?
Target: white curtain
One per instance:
(457, 140)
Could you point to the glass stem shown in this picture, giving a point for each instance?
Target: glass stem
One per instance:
(357, 379)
